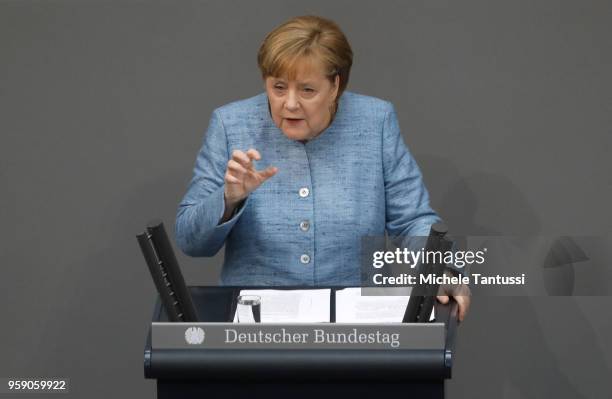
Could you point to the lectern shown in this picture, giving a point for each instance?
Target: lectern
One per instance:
(194, 372)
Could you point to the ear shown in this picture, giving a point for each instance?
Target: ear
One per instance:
(336, 85)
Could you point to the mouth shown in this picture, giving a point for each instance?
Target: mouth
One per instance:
(293, 121)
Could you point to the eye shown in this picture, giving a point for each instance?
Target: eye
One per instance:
(279, 86)
(308, 92)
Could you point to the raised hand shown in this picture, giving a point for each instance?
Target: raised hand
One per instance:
(241, 177)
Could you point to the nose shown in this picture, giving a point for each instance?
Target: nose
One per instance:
(292, 103)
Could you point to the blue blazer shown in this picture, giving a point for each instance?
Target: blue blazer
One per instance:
(304, 225)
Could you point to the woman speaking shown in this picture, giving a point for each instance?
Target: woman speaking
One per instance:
(291, 180)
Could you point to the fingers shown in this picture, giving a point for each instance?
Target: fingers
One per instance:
(464, 305)
(461, 294)
(253, 154)
(246, 159)
(242, 158)
(241, 165)
(235, 172)
(232, 179)
(236, 168)
(268, 172)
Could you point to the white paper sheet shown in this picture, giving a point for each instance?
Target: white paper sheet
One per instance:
(351, 307)
(292, 306)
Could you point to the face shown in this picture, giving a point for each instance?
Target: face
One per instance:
(301, 107)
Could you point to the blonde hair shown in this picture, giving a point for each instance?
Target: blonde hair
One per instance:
(306, 38)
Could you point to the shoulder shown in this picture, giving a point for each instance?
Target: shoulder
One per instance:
(361, 101)
(252, 106)
(244, 120)
(361, 109)
(359, 104)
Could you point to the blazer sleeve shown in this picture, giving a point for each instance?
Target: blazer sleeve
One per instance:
(408, 213)
(197, 229)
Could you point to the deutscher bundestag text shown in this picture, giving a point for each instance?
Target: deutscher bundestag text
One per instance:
(318, 336)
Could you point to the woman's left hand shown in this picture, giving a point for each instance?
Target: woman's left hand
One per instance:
(461, 293)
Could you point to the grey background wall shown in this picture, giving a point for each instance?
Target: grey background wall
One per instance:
(507, 107)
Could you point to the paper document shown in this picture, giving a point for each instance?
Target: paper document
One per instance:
(292, 306)
(351, 307)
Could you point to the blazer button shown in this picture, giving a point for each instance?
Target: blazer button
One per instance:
(305, 259)
(304, 191)
(304, 225)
